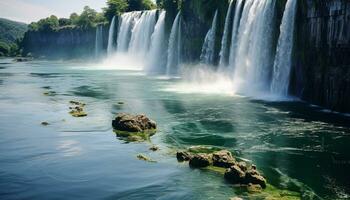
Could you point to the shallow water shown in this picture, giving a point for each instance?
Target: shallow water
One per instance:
(297, 146)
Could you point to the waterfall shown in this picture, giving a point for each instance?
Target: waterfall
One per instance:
(127, 22)
(111, 33)
(99, 41)
(253, 56)
(224, 41)
(174, 47)
(235, 26)
(141, 33)
(208, 48)
(156, 53)
(283, 59)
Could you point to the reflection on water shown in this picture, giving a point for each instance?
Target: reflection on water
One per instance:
(296, 146)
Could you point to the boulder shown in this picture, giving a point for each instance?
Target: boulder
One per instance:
(254, 177)
(201, 160)
(223, 159)
(133, 123)
(183, 156)
(235, 175)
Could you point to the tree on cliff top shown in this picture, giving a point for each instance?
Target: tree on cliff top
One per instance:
(117, 7)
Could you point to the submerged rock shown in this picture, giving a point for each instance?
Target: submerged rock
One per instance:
(133, 123)
(201, 160)
(223, 158)
(144, 158)
(45, 123)
(78, 109)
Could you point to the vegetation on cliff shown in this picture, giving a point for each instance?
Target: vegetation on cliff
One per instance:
(11, 33)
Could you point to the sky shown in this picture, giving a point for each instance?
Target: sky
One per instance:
(32, 10)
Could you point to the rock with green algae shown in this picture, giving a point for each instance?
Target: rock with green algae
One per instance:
(77, 110)
(144, 158)
(201, 160)
(269, 193)
(133, 128)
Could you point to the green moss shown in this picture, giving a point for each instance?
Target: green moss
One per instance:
(145, 158)
(203, 149)
(135, 136)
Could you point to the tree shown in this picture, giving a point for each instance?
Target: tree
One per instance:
(74, 18)
(115, 7)
(87, 18)
(64, 22)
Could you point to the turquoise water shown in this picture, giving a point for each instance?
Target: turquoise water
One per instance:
(298, 147)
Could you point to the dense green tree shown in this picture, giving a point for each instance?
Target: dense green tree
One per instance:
(115, 7)
(64, 22)
(87, 18)
(74, 18)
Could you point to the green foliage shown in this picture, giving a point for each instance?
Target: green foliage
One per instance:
(88, 18)
(115, 7)
(10, 34)
(64, 22)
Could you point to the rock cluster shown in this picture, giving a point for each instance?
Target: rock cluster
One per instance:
(77, 109)
(235, 172)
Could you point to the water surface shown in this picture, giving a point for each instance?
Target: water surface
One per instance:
(297, 146)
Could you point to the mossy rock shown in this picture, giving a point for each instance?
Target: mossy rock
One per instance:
(144, 158)
(78, 113)
(203, 149)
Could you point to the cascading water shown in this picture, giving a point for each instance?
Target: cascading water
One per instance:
(283, 59)
(156, 54)
(174, 48)
(99, 41)
(252, 65)
(127, 22)
(235, 26)
(141, 34)
(208, 48)
(224, 42)
(111, 35)
(133, 41)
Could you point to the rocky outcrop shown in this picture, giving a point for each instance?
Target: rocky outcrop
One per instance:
(238, 173)
(133, 128)
(321, 72)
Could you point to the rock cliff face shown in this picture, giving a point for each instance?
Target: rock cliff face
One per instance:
(321, 72)
(64, 43)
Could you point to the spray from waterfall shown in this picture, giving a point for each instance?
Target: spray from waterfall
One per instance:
(111, 35)
(174, 47)
(253, 56)
(156, 54)
(99, 41)
(225, 42)
(283, 59)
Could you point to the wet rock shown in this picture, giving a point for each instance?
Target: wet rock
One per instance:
(201, 160)
(243, 166)
(235, 175)
(45, 123)
(144, 158)
(254, 177)
(154, 148)
(133, 123)
(223, 159)
(183, 156)
(78, 109)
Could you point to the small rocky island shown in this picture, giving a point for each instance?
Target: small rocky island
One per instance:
(134, 128)
(235, 172)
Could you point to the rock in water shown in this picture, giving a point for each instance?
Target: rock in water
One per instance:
(254, 177)
(183, 156)
(133, 123)
(201, 160)
(223, 158)
(235, 175)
